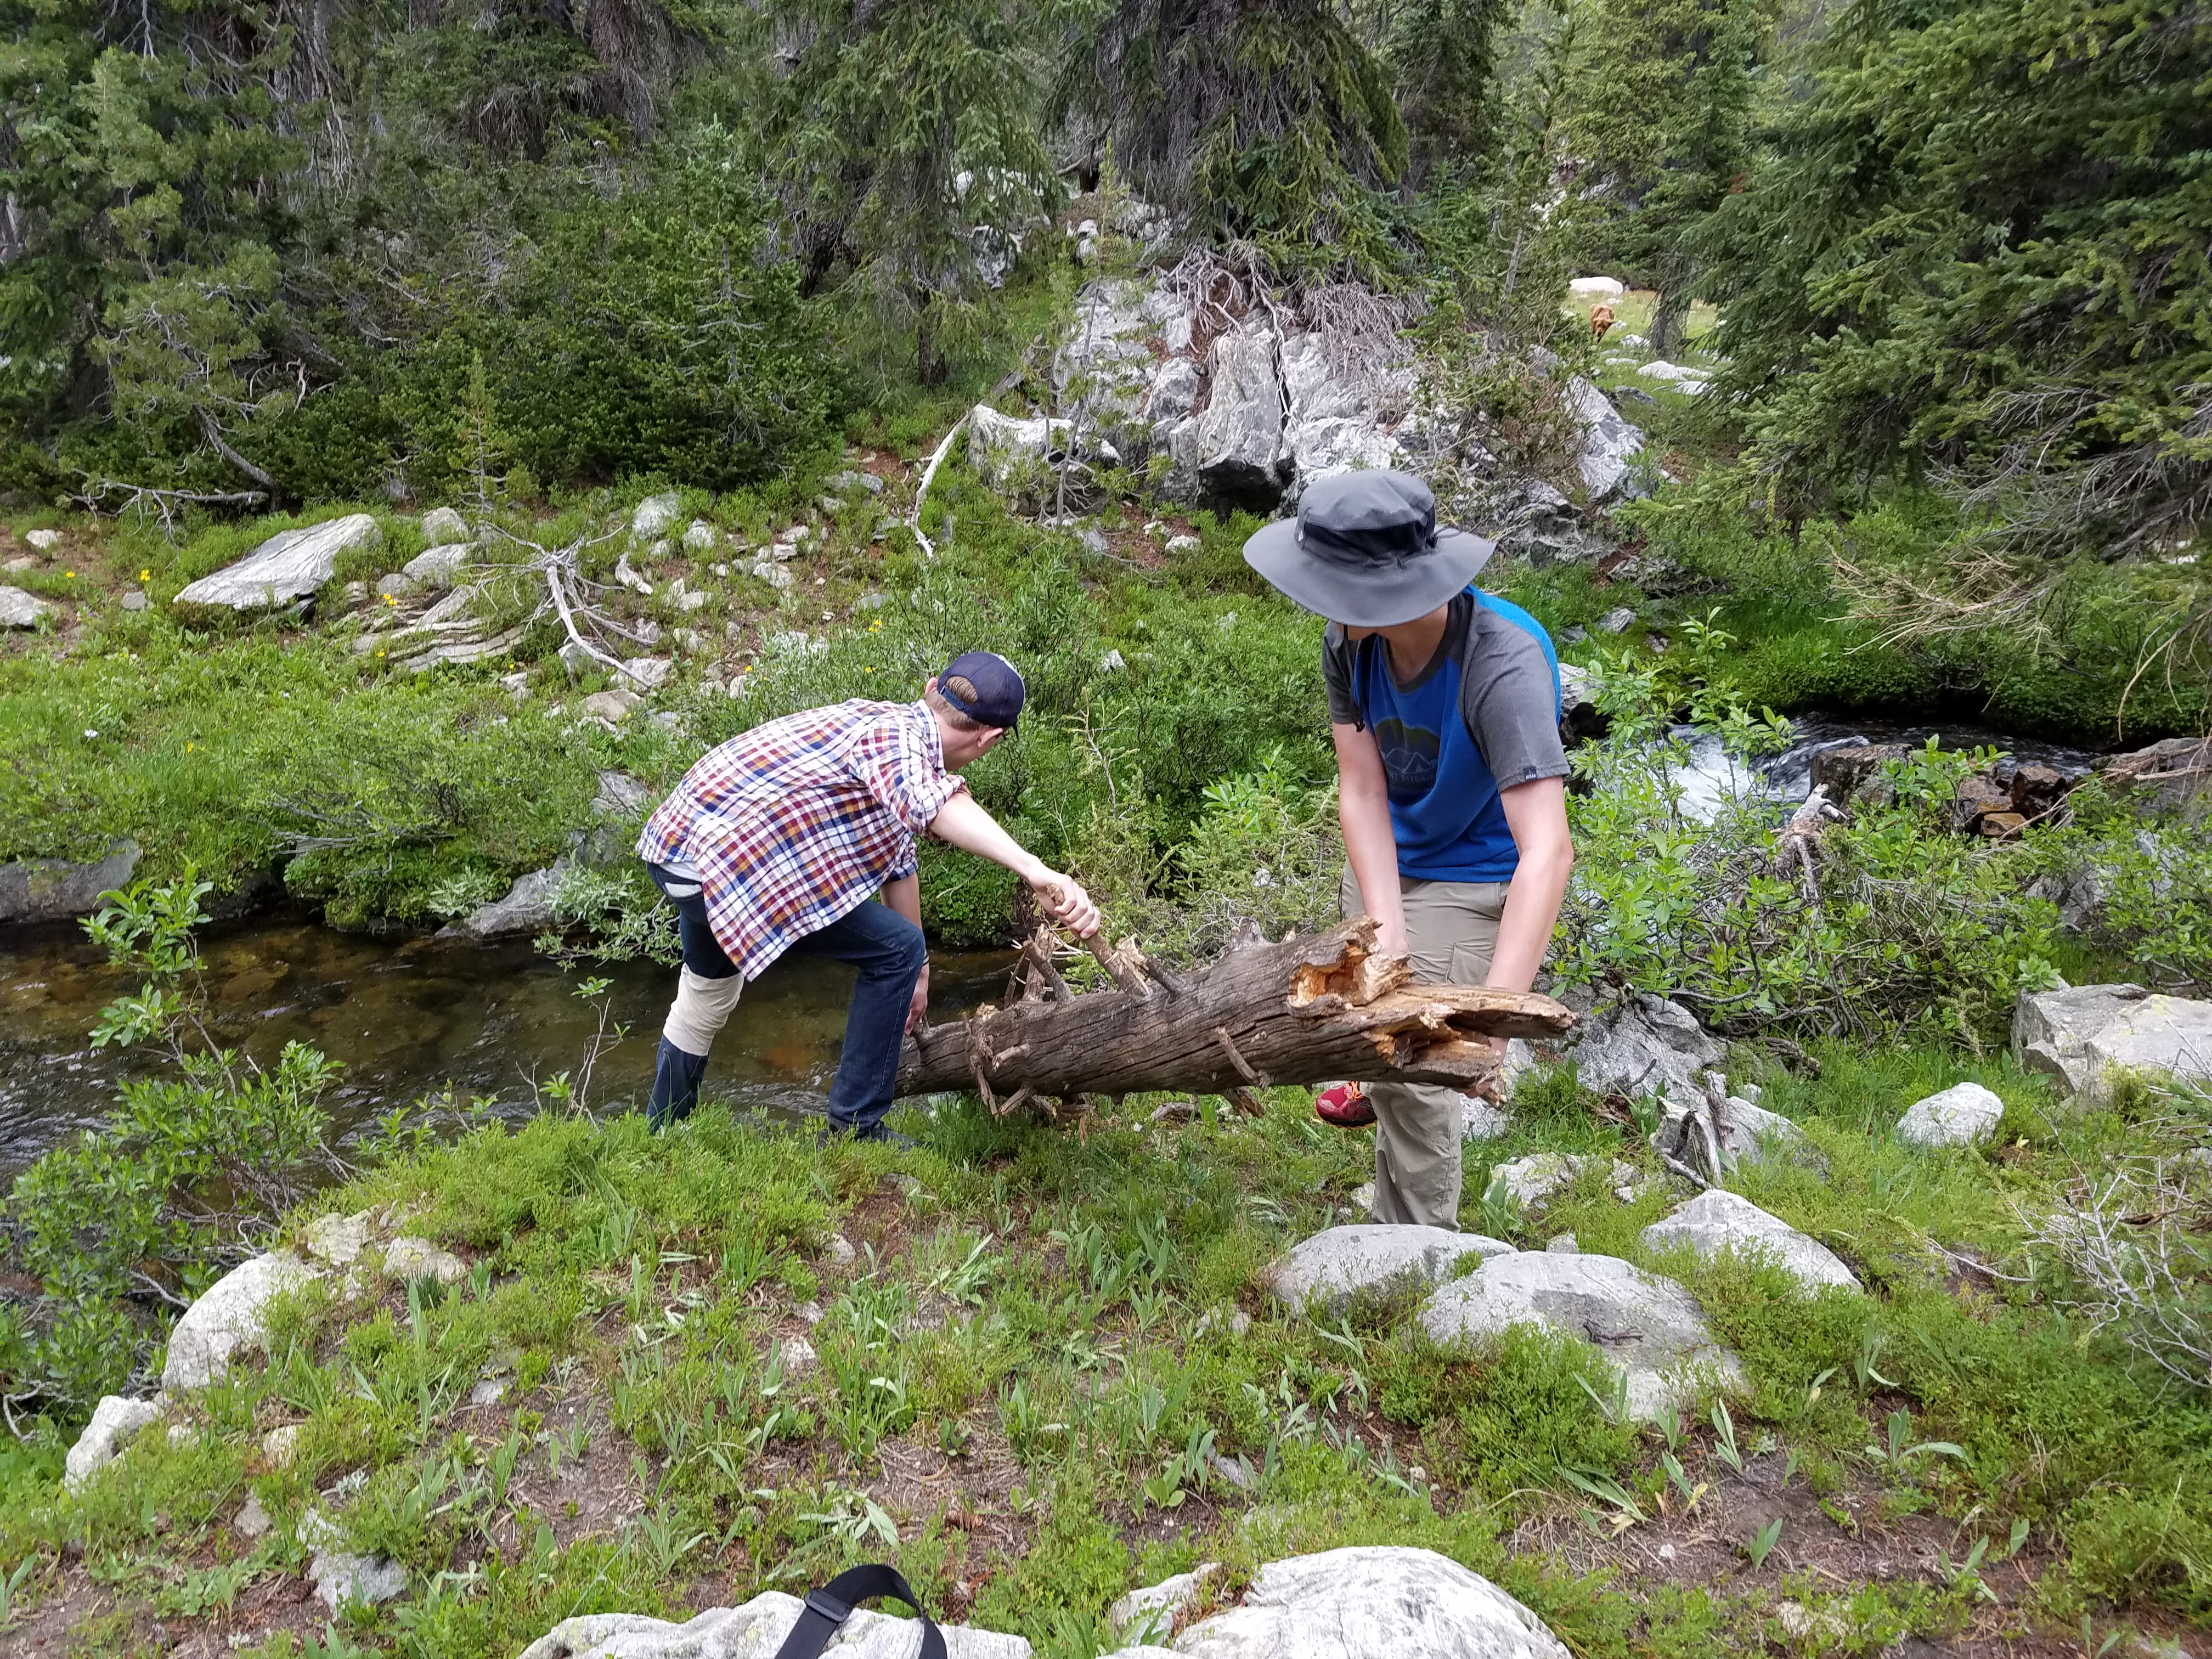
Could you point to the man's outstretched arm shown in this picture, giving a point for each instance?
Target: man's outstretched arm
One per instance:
(961, 823)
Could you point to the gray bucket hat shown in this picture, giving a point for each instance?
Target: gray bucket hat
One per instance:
(1365, 549)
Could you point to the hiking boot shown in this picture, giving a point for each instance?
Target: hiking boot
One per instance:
(874, 1131)
(1344, 1104)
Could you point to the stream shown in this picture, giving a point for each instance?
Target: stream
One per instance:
(409, 1016)
(1710, 777)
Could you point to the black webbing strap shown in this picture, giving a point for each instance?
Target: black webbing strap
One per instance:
(832, 1604)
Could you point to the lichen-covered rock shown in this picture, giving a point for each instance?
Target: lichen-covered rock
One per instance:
(2051, 1029)
(2175, 775)
(999, 445)
(1718, 1223)
(1649, 1329)
(655, 515)
(1645, 1045)
(1150, 1614)
(1530, 1181)
(1234, 449)
(442, 525)
(436, 567)
(527, 907)
(1332, 1268)
(1369, 1601)
(755, 1630)
(290, 565)
(2159, 1037)
(20, 609)
(228, 1317)
(410, 1258)
(1963, 1114)
(1609, 442)
(115, 1423)
(1749, 1134)
(336, 1240)
(341, 1576)
(54, 890)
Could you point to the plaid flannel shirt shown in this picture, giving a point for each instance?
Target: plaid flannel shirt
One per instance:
(797, 822)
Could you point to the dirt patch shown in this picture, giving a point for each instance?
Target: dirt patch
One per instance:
(1839, 1543)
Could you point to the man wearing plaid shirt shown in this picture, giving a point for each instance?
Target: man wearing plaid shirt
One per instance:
(775, 841)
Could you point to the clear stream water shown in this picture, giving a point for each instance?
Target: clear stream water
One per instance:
(407, 1017)
(1711, 776)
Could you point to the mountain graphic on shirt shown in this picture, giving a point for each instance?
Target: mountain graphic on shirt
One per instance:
(1409, 759)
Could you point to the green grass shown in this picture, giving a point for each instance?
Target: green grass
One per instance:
(1032, 1305)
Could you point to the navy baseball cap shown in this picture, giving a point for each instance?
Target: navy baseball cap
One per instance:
(997, 685)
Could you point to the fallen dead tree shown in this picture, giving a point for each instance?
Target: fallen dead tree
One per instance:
(1318, 1007)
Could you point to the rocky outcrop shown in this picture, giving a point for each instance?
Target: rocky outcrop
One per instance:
(1250, 407)
(1645, 1045)
(1649, 1329)
(288, 566)
(227, 1318)
(1231, 452)
(2051, 1029)
(1719, 1223)
(1334, 1267)
(2090, 1037)
(1362, 1602)
(1609, 442)
(54, 890)
(755, 1630)
(115, 1423)
(1001, 446)
(1964, 1114)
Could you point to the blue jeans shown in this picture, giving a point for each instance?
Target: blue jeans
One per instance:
(890, 953)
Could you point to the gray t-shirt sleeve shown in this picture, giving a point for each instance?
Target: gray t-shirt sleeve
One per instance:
(1510, 701)
(1336, 666)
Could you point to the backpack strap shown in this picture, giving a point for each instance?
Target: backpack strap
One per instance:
(828, 1608)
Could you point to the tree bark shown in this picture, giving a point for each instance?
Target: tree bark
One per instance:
(1319, 1008)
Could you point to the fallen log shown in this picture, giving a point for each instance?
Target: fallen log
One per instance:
(1316, 1008)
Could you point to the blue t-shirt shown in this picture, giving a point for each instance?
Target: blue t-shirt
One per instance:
(1482, 717)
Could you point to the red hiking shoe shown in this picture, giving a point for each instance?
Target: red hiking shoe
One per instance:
(1344, 1104)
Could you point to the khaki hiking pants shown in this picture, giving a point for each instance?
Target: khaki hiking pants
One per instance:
(1451, 929)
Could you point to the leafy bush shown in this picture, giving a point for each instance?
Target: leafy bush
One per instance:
(141, 1214)
(1903, 924)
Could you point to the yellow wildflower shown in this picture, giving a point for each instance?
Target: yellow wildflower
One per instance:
(145, 575)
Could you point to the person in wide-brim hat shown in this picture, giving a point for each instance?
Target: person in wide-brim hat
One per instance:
(1444, 707)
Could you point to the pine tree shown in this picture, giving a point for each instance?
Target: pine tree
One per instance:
(1440, 54)
(1662, 123)
(1266, 120)
(1980, 241)
(909, 138)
